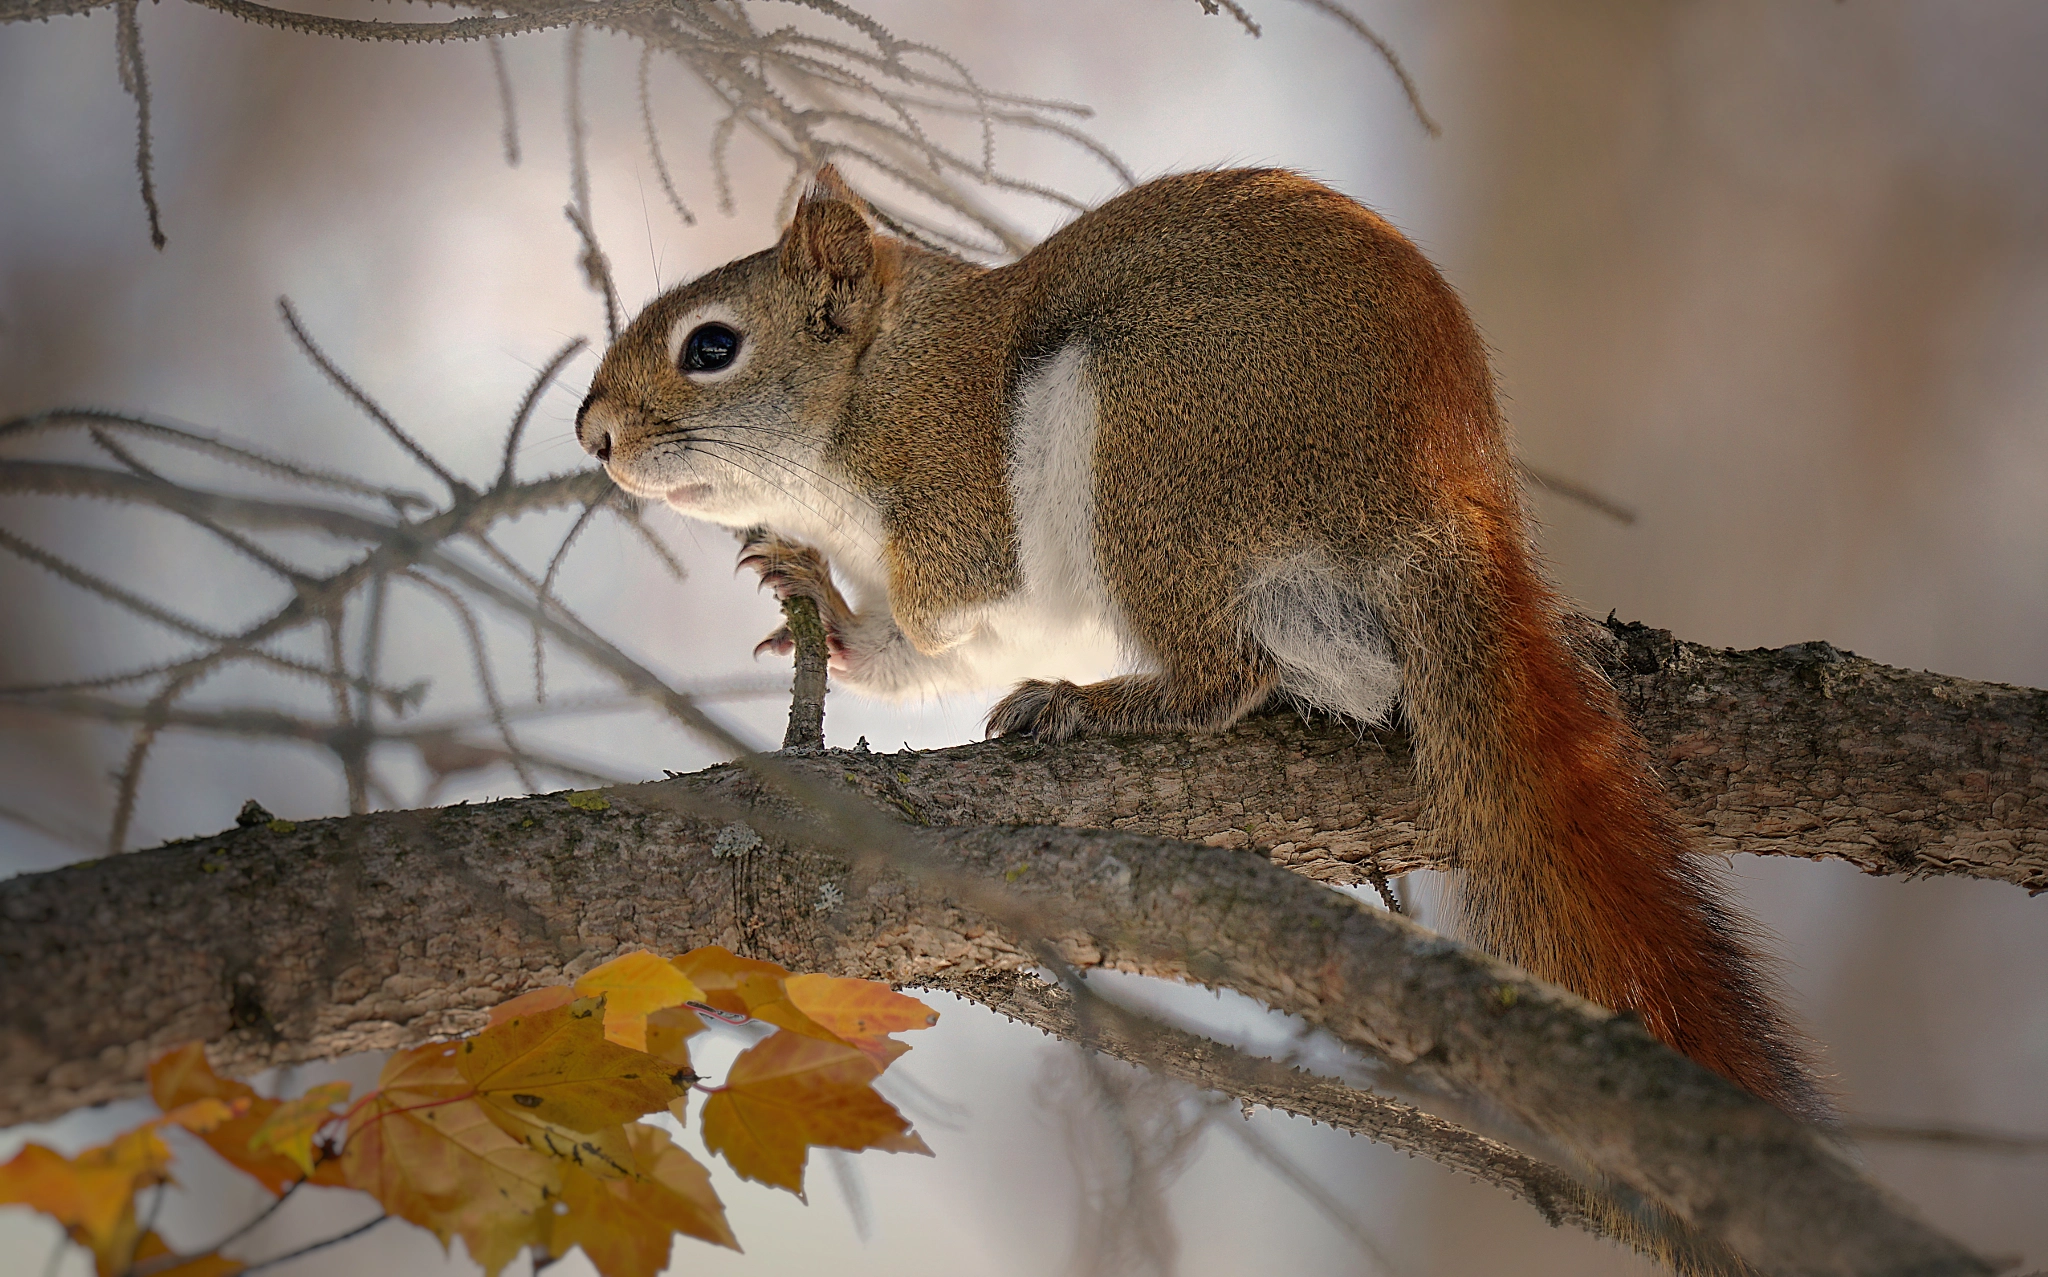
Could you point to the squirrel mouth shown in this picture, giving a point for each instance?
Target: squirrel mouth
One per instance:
(688, 494)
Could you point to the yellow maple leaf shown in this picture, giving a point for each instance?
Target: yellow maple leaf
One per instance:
(669, 1031)
(96, 1205)
(554, 1071)
(861, 1013)
(625, 1223)
(425, 1148)
(633, 985)
(182, 1076)
(93, 1194)
(790, 1092)
(291, 1126)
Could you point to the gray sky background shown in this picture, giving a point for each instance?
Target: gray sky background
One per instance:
(1773, 275)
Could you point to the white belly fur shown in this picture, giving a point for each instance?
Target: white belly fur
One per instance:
(1060, 622)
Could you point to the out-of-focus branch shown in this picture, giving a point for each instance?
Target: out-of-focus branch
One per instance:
(397, 540)
(1189, 1057)
(855, 93)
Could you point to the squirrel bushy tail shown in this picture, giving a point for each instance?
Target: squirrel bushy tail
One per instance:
(1574, 864)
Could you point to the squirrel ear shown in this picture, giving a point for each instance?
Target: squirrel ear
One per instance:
(829, 185)
(830, 235)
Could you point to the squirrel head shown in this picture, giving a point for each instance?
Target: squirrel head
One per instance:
(723, 388)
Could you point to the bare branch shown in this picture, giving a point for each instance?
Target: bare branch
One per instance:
(1610, 1211)
(480, 664)
(806, 729)
(597, 271)
(544, 594)
(207, 445)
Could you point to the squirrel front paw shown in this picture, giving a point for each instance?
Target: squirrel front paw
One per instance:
(799, 572)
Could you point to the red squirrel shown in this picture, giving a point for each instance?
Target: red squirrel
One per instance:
(1236, 423)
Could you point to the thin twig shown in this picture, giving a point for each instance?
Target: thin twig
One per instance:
(667, 179)
(806, 729)
(597, 271)
(135, 79)
(541, 381)
(336, 1240)
(544, 595)
(245, 1229)
(1954, 1136)
(507, 107)
(480, 663)
(1387, 55)
(341, 382)
(1576, 492)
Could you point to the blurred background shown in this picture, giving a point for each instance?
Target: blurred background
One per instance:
(1772, 275)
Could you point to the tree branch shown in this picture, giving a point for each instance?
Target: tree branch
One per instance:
(1795, 751)
(377, 931)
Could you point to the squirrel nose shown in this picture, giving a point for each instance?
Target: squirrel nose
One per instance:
(602, 449)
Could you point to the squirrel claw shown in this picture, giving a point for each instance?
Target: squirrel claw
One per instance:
(780, 642)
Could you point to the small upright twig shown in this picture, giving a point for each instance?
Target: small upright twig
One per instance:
(806, 728)
(668, 181)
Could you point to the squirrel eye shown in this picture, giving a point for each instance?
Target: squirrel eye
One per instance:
(710, 347)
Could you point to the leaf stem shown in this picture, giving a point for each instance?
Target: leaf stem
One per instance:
(262, 1215)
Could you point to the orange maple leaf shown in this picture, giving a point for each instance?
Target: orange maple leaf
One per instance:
(291, 1126)
(861, 1013)
(428, 1152)
(790, 1092)
(533, 1001)
(632, 986)
(182, 1076)
(748, 987)
(625, 1223)
(154, 1258)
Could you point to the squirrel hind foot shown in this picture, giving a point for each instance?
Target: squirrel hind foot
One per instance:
(1043, 710)
(1052, 712)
